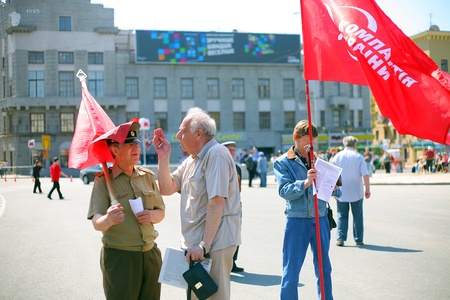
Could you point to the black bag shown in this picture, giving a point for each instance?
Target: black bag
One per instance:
(330, 217)
(200, 282)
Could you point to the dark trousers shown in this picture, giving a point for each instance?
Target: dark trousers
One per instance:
(131, 274)
(37, 185)
(55, 186)
(251, 174)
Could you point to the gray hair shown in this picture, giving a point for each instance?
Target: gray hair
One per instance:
(199, 119)
(350, 141)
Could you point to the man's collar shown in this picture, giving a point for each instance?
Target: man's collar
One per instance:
(205, 148)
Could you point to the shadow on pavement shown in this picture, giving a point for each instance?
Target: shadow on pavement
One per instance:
(256, 279)
(387, 249)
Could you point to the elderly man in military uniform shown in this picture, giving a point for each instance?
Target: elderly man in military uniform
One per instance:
(130, 259)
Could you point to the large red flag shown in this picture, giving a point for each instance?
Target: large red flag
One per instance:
(92, 122)
(354, 41)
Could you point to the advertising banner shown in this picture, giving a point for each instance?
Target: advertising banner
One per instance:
(216, 47)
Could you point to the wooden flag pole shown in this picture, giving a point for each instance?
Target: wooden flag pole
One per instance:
(316, 201)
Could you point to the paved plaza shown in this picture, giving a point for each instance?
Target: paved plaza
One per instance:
(48, 250)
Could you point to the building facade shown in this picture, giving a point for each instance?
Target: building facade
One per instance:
(45, 43)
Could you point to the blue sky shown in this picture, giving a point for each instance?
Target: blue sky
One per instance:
(266, 16)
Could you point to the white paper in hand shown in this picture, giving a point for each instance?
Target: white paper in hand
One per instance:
(136, 205)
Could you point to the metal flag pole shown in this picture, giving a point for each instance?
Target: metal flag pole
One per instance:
(112, 195)
(316, 201)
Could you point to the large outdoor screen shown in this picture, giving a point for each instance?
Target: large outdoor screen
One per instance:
(216, 47)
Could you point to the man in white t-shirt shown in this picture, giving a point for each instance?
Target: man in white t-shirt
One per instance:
(354, 173)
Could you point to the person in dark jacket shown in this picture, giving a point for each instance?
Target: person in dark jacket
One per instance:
(36, 176)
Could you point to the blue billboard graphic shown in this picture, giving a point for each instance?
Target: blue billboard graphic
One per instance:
(216, 47)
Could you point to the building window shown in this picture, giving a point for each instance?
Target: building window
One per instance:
(212, 88)
(35, 58)
(187, 88)
(161, 120)
(321, 89)
(322, 119)
(360, 118)
(95, 58)
(132, 87)
(36, 84)
(357, 91)
(336, 89)
(67, 122)
(159, 88)
(352, 117)
(264, 120)
(131, 115)
(238, 89)
(444, 65)
(95, 83)
(66, 84)
(336, 118)
(263, 88)
(65, 23)
(37, 122)
(239, 120)
(288, 89)
(216, 117)
(65, 57)
(289, 119)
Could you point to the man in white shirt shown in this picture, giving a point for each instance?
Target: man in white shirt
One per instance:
(353, 191)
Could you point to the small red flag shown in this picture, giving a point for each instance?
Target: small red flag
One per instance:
(354, 41)
(92, 122)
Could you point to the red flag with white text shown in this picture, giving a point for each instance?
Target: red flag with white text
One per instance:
(92, 122)
(353, 41)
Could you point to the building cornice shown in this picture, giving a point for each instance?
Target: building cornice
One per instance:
(431, 36)
(20, 29)
(107, 30)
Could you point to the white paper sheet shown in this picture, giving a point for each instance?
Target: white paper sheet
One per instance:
(136, 205)
(174, 265)
(327, 176)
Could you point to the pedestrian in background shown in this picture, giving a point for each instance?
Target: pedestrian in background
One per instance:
(387, 160)
(130, 259)
(251, 168)
(55, 174)
(353, 191)
(261, 168)
(295, 179)
(244, 156)
(430, 159)
(368, 159)
(36, 176)
(231, 145)
(210, 206)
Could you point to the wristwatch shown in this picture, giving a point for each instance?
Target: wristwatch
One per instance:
(205, 247)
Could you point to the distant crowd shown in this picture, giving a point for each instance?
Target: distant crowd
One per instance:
(430, 162)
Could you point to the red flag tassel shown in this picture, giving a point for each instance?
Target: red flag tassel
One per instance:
(316, 201)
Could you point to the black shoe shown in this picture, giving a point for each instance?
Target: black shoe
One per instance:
(237, 269)
(61, 198)
(34, 192)
(49, 197)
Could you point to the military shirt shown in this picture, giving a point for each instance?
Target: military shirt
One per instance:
(130, 234)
